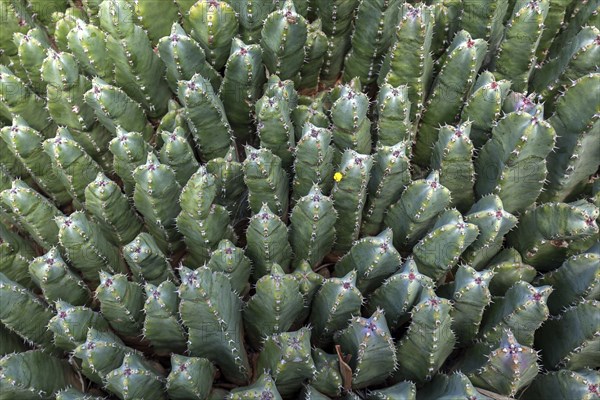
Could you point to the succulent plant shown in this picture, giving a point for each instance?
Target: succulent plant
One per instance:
(257, 199)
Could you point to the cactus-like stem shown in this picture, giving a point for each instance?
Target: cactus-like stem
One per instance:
(71, 323)
(327, 378)
(403, 390)
(263, 388)
(242, 85)
(135, 379)
(493, 223)
(516, 56)
(441, 248)
(74, 394)
(567, 384)
(267, 182)
(349, 194)
(275, 129)
(115, 109)
(32, 314)
(35, 375)
(86, 248)
(288, 356)
(313, 162)
(374, 258)
(121, 303)
(146, 261)
(162, 326)
(111, 210)
(562, 346)
(312, 232)
(129, 150)
(25, 144)
(393, 115)
(190, 378)
(428, 341)
(177, 153)
(87, 42)
(523, 309)
(156, 196)
(101, 353)
(509, 268)
(138, 70)
(416, 211)
(389, 176)
(447, 15)
(156, 21)
(17, 18)
(457, 75)
(208, 304)
(229, 177)
(309, 282)
(336, 301)
(283, 37)
(309, 110)
(274, 307)
(577, 278)
(483, 106)
(446, 387)
(17, 253)
(314, 50)
(206, 117)
(231, 260)
(33, 212)
(57, 281)
(544, 233)
(484, 20)
(398, 294)
(351, 125)
(514, 160)
(369, 342)
(31, 50)
(554, 22)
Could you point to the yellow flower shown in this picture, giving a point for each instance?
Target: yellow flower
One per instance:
(337, 176)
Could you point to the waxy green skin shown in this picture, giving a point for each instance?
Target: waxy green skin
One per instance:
(337, 300)
(309, 110)
(308, 283)
(283, 37)
(483, 107)
(351, 125)
(514, 160)
(493, 223)
(263, 387)
(64, 22)
(242, 85)
(312, 227)
(71, 323)
(393, 115)
(86, 248)
(508, 268)
(101, 353)
(390, 175)
(111, 210)
(156, 197)
(448, 387)
(409, 61)
(162, 326)
(428, 341)
(578, 136)
(523, 309)
(327, 379)
(16, 19)
(373, 33)
(25, 144)
(114, 109)
(87, 42)
(51, 274)
(231, 260)
(546, 231)
(441, 248)
(288, 356)
(16, 253)
(35, 375)
(275, 129)
(33, 315)
(504, 366)
(374, 258)
(314, 57)
(177, 153)
(267, 242)
(156, 21)
(582, 384)
(146, 261)
(74, 394)
(349, 195)
(31, 51)
(229, 177)
(484, 20)
(206, 118)
(449, 91)
(121, 302)
(183, 58)
(516, 56)
(129, 150)
(190, 378)
(416, 210)
(557, 12)
(208, 303)
(403, 390)
(33, 212)
(562, 346)
(313, 161)
(447, 15)
(135, 379)
(138, 70)
(452, 157)
(266, 180)
(369, 342)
